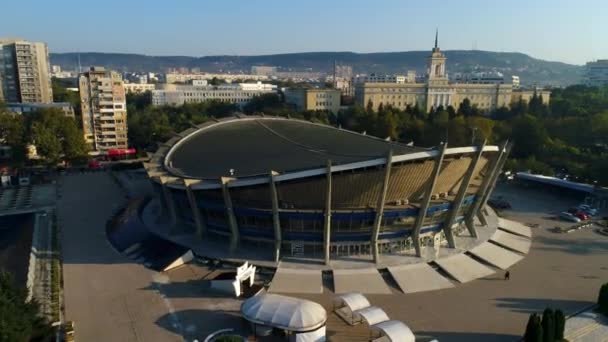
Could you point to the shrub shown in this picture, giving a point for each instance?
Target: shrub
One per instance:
(548, 324)
(602, 299)
(534, 330)
(560, 325)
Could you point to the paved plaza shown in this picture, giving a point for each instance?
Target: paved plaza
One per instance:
(112, 298)
(561, 271)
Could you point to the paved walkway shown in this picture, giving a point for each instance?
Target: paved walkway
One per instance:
(289, 280)
(102, 289)
(588, 326)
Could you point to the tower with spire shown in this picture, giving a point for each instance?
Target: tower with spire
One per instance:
(436, 64)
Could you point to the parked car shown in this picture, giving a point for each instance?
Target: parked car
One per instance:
(566, 216)
(589, 210)
(579, 213)
(582, 215)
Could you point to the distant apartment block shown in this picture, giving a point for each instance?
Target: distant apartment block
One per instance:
(596, 73)
(104, 109)
(185, 78)
(263, 70)
(313, 99)
(398, 79)
(200, 91)
(21, 108)
(25, 72)
(138, 88)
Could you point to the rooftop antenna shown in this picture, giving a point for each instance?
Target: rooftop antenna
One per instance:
(79, 65)
(436, 36)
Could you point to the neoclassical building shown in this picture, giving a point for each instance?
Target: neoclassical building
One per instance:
(437, 90)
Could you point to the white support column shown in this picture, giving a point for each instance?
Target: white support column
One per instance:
(327, 226)
(424, 205)
(232, 223)
(492, 168)
(493, 181)
(380, 206)
(201, 227)
(276, 222)
(457, 203)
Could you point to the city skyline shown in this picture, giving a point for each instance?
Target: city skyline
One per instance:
(549, 30)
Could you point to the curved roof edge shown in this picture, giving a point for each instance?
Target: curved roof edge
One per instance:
(158, 170)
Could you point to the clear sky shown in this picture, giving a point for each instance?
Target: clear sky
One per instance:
(573, 31)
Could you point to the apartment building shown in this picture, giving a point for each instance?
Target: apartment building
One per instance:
(323, 99)
(596, 73)
(200, 91)
(185, 78)
(104, 109)
(24, 72)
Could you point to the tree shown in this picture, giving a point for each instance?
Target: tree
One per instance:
(529, 136)
(270, 104)
(528, 334)
(20, 320)
(602, 299)
(55, 136)
(12, 131)
(465, 108)
(534, 329)
(548, 324)
(370, 106)
(215, 81)
(560, 325)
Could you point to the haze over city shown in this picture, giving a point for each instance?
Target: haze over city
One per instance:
(558, 30)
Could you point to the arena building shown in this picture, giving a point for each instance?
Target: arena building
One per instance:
(307, 189)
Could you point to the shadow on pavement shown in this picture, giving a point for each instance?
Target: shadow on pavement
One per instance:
(579, 247)
(530, 305)
(197, 324)
(426, 336)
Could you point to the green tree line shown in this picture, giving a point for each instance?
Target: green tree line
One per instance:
(56, 137)
(567, 136)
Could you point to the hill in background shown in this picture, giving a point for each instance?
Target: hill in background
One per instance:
(531, 70)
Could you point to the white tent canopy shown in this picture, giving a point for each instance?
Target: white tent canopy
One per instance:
(284, 312)
(372, 315)
(353, 300)
(395, 331)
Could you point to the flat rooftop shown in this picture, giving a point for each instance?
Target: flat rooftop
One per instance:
(253, 147)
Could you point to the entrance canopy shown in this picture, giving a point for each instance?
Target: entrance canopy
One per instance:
(395, 331)
(284, 312)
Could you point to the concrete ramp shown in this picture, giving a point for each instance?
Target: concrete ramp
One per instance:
(496, 255)
(512, 241)
(514, 227)
(418, 277)
(292, 280)
(463, 268)
(367, 280)
(187, 257)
